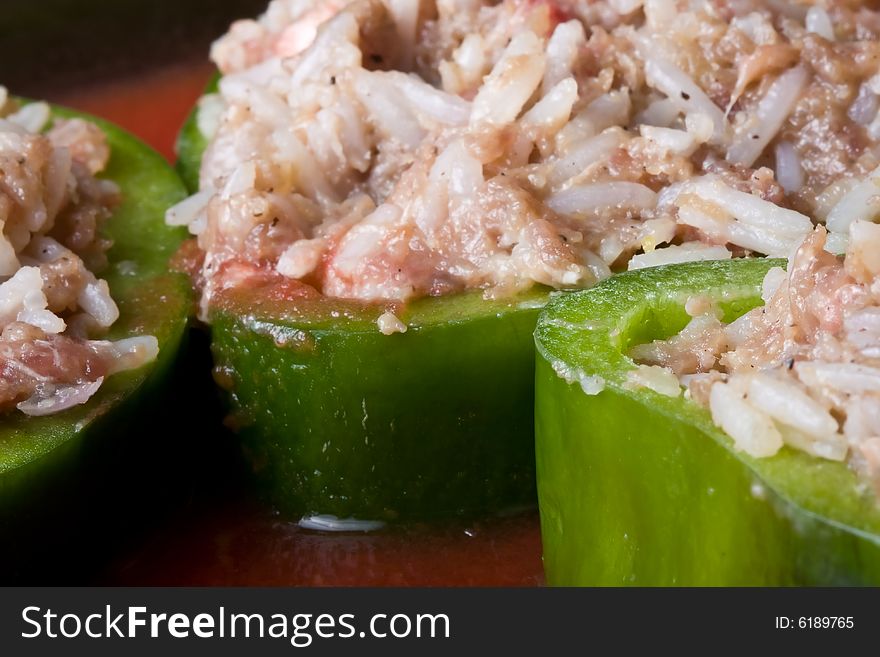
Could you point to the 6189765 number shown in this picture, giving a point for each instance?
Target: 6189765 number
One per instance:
(815, 622)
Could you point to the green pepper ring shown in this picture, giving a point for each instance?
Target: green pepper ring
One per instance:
(336, 418)
(191, 143)
(636, 488)
(44, 460)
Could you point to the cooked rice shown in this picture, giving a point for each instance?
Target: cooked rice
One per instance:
(389, 323)
(51, 302)
(802, 370)
(390, 150)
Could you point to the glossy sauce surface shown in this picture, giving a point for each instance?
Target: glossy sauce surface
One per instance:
(220, 536)
(239, 543)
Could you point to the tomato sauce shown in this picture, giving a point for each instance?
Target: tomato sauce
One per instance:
(152, 105)
(240, 543)
(225, 538)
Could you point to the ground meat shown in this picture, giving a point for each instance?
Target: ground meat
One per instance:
(63, 282)
(40, 360)
(356, 161)
(84, 141)
(804, 367)
(52, 306)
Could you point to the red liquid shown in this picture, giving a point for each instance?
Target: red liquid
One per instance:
(240, 544)
(152, 105)
(231, 541)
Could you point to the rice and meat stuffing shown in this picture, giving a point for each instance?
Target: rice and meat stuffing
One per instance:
(390, 150)
(51, 303)
(385, 151)
(802, 370)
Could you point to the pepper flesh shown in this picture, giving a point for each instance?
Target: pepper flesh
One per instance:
(191, 143)
(339, 419)
(638, 488)
(51, 465)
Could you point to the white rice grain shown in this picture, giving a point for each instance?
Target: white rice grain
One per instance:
(819, 22)
(751, 430)
(511, 83)
(33, 117)
(851, 378)
(582, 201)
(763, 124)
(674, 254)
(562, 51)
(753, 210)
(685, 93)
(389, 324)
(861, 202)
(587, 152)
(661, 380)
(789, 170)
(789, 404)
(95, 299)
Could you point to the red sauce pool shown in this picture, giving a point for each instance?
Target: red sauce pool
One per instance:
(238, 543)
(228, 540)
(152, 105)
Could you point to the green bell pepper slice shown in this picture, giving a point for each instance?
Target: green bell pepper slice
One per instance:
(337, 418)
(638, 488)
(191, 143)
(57, 461)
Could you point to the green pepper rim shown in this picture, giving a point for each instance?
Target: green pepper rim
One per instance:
(191, 143)
(591, 330)
(256, 331)
(152, 300)
(326, 314)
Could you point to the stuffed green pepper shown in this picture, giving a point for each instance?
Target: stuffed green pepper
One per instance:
(91, 319)
(715, 424)
(683, 438)
(388, 190)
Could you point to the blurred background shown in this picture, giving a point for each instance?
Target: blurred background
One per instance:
(141, 63)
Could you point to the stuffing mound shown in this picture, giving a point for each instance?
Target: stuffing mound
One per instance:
(51, 302)
(390, 150)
